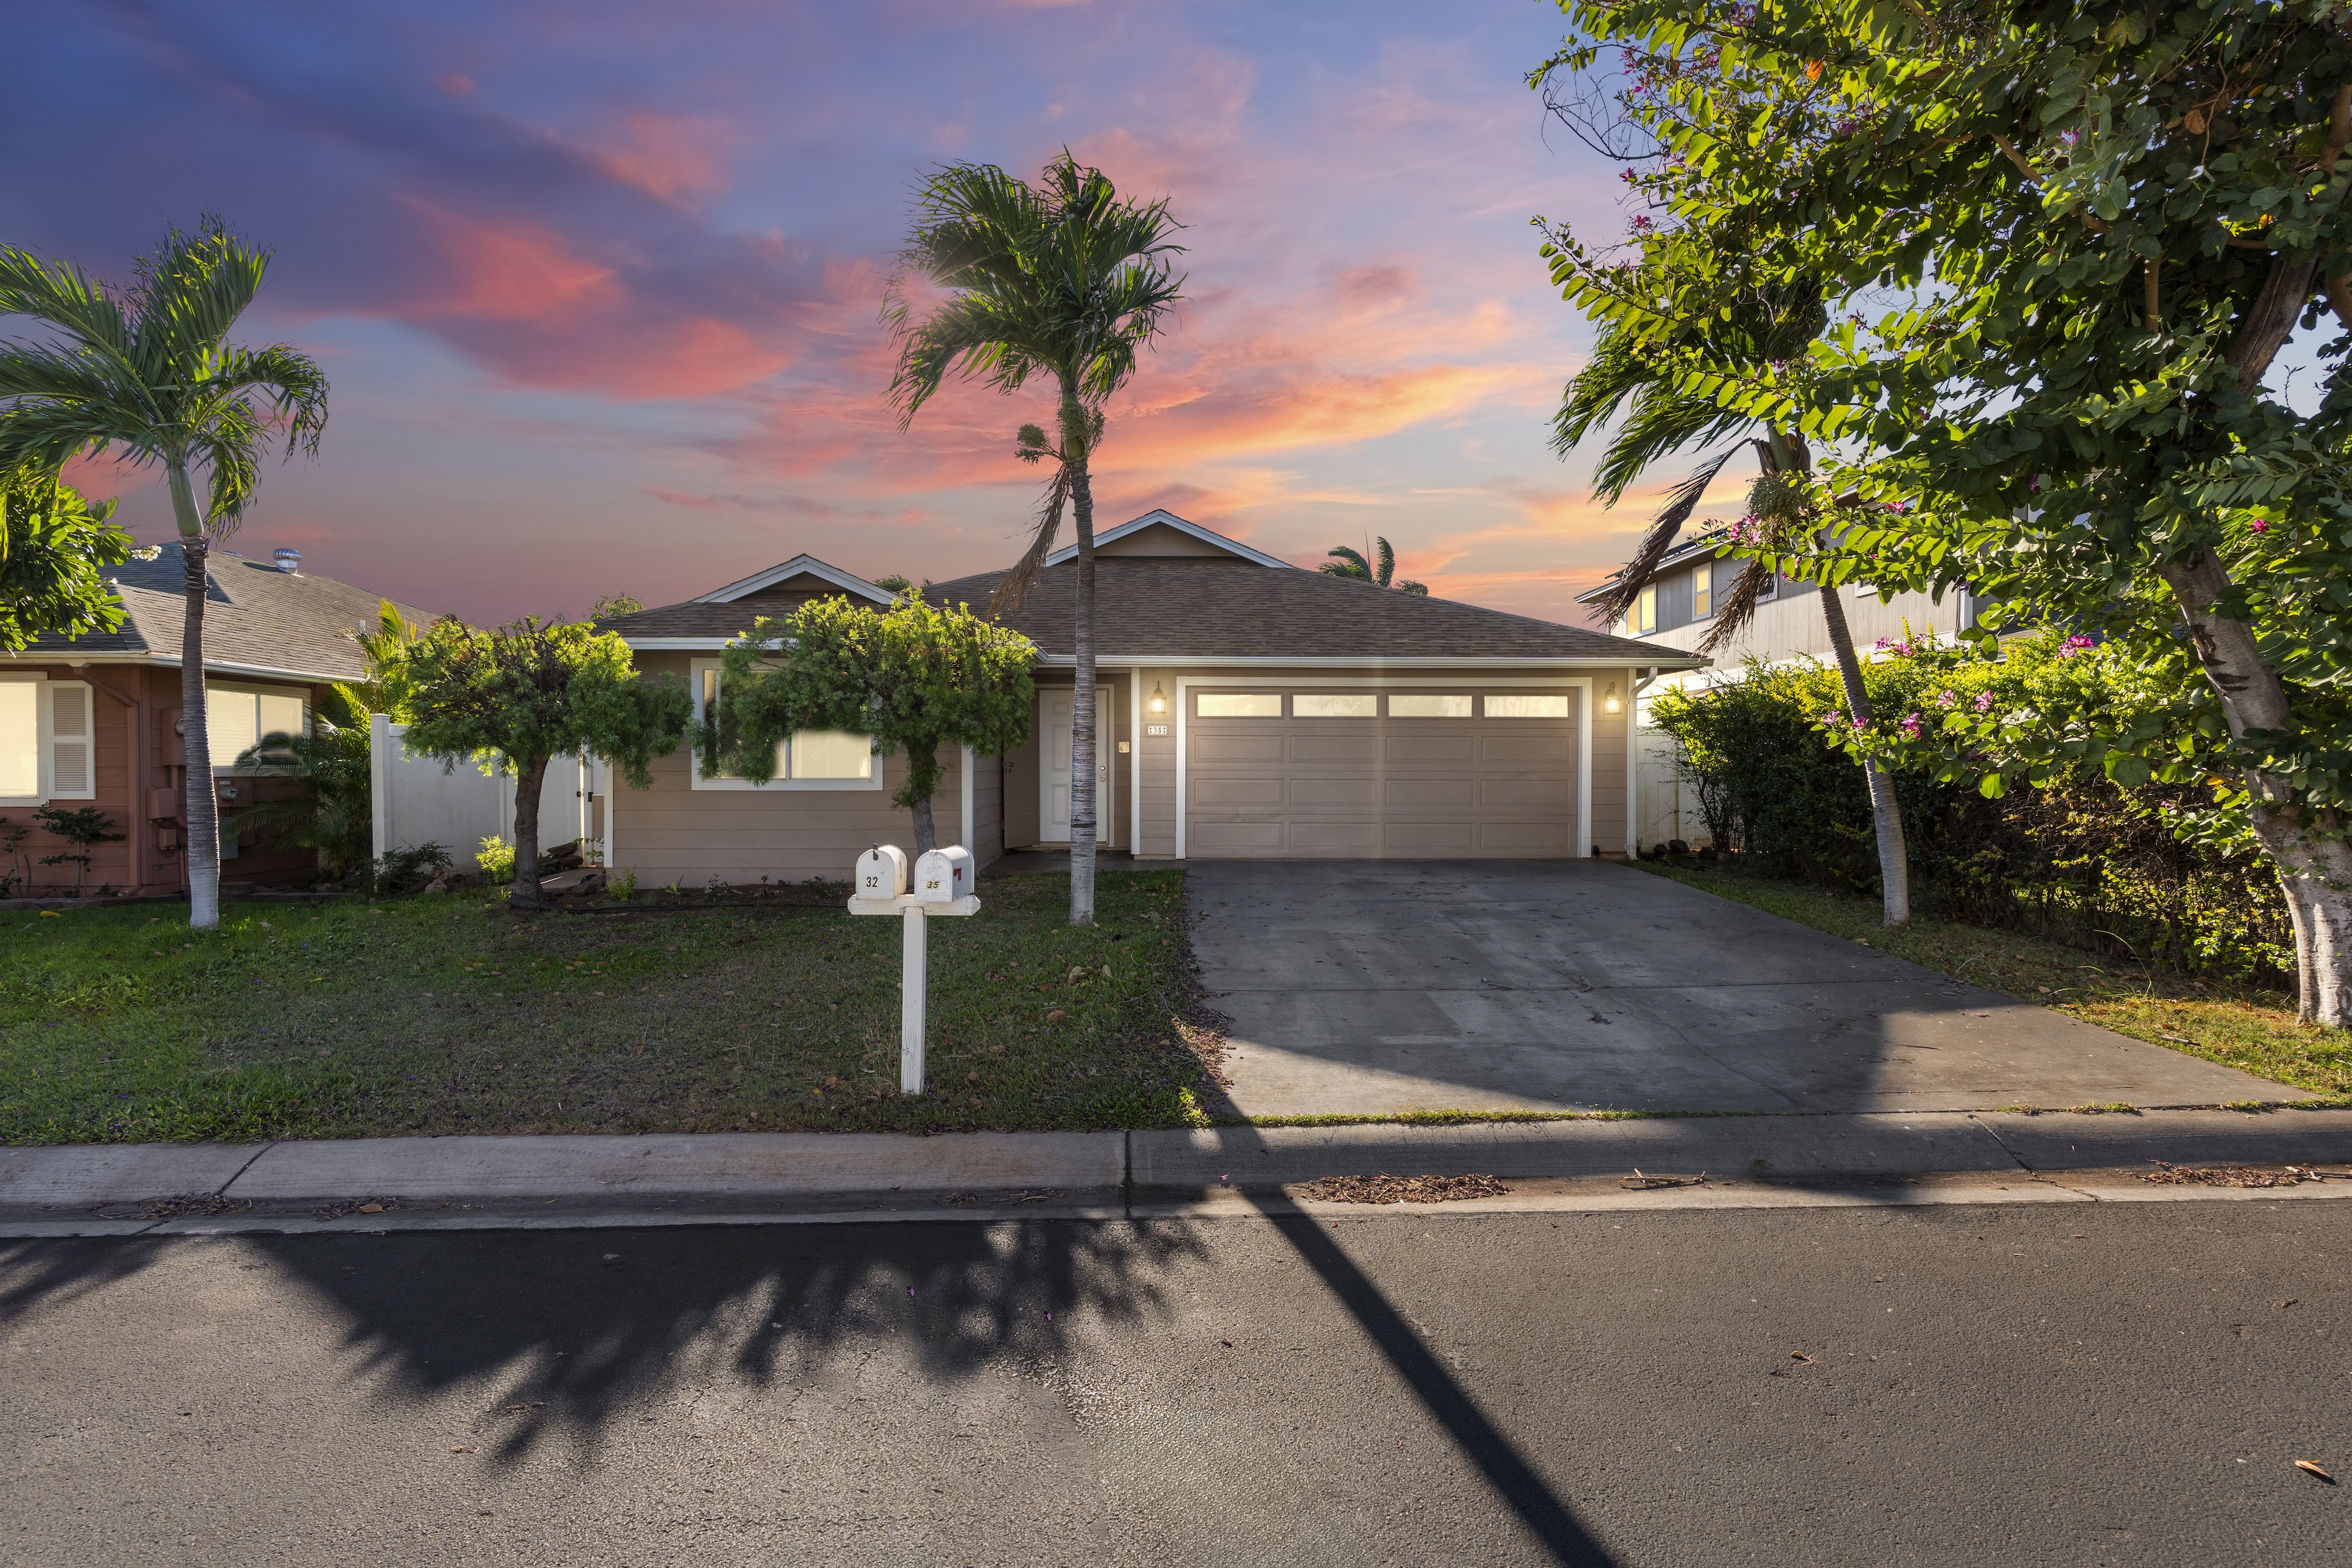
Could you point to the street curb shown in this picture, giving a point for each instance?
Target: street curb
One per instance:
(769, 1177)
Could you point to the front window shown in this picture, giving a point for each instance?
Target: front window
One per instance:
(1702, 590)
(1645, 611)
(806, 759)
(20, 742)
(238, 719)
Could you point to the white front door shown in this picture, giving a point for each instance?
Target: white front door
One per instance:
(1054, 777)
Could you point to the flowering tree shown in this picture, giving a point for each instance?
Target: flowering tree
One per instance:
(2089, 228)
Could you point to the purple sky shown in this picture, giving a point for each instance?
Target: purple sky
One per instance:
(596, 284)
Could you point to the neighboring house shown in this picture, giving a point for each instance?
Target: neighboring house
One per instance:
(1247, 709)
(94, 722)
(1675, 610)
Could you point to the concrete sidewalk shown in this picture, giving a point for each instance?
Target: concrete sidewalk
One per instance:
(716, 1178)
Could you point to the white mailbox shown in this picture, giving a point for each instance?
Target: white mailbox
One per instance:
(943, 887)
(943, 876)
(881, 873)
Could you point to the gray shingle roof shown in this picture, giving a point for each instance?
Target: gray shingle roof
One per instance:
(1194, 608)
(256, 617)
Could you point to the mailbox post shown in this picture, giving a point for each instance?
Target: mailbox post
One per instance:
(942, 887)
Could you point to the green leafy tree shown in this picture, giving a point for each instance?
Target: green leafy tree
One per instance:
(1350, 564)
(54, 546)
(525, 694)
(916, 677)
(1661, 345)
(147, 373)
(2091, 229)
(1062, 279)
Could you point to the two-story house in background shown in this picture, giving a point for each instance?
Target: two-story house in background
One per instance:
(1676, 610)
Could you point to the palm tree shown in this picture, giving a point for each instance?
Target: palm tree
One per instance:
(1352, 565)
(147, 372)
(1063, 280)
(1625, 372)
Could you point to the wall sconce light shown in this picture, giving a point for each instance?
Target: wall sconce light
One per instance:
(1159, 699)
(1610, 704)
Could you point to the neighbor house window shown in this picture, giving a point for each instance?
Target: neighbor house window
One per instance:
(1528, 705)
(1645, 611)
(20, 742)
(1428, 705)
(806, 759)
(1339, 705)
(1240, 705)
(1702, 590)
(48, 742)
(238, 719)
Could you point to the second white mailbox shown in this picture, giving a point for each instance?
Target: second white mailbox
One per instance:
(943, 876)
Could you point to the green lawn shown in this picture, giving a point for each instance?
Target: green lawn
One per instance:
(2242, 1027)
(438, 1015)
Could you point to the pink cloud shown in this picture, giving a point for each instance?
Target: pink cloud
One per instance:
(674, 158)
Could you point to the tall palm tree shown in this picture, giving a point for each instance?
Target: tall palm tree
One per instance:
(1063, 278)
(1625, 372)
(146, 371)
(1351, 565)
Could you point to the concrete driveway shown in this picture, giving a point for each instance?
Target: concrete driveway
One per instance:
(1374, 986)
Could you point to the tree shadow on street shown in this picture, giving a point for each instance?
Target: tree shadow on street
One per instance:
(578, 1332)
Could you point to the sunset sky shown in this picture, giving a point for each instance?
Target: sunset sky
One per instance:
(596, 285)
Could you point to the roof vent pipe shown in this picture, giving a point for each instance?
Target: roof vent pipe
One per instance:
(287, 560)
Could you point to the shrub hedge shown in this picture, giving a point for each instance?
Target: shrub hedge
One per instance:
(2079, 858)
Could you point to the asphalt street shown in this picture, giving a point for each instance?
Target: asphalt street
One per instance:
(2082, 1384)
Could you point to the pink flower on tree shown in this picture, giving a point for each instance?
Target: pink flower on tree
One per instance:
(2260, 525)
(2075, 645)
(1911, 726)
(1947, 699)
(1984, 701)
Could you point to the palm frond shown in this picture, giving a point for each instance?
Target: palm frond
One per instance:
(61, 295)
(1348, 563)
(1680, 502)
(190, 291)
(1736, 612)
(292, 383)
(1386, 572)
(1013, 589)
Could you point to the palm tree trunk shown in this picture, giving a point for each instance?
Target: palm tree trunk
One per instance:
(1886, 816)
(529, 775)
(1082, 705)
(200, 809)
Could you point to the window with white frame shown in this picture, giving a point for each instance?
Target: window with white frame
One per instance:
(1702, 590)
(1527, 705)
(239, 718)
(1645, 618)
(807, 759)
(48, 741)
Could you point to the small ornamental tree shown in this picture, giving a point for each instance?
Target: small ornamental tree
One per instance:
(524, 695)
(915, 676)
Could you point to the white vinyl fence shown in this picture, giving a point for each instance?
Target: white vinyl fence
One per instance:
(419, 801)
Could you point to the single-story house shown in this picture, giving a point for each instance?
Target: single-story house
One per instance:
(94, 721)
(1248, 707)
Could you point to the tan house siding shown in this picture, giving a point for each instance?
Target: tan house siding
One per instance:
(1018, 780)
(674, 832)
(1157, 770)
(1611, 734)
(987, 810)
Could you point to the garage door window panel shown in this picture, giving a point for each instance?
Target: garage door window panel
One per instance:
(1238, 705)
(1428, 705)
(1335, 705)
(1527, 705)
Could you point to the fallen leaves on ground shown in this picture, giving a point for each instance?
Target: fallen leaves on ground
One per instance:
(1387, 1189)
(2237, 1176)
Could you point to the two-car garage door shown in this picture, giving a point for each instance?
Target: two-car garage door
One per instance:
(1298, 773)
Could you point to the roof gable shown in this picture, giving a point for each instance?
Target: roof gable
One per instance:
(780, 577)
(1158, 532)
